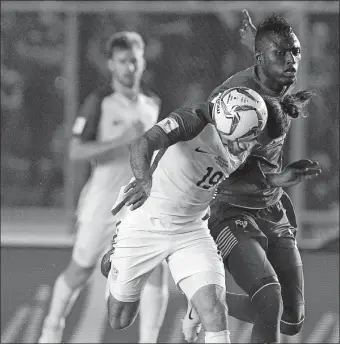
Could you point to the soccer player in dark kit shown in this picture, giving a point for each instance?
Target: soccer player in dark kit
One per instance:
(252, 218)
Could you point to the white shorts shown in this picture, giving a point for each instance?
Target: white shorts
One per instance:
(143, 242)
(93, 239)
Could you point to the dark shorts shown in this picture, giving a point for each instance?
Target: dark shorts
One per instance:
(273, 253)
(230, 224)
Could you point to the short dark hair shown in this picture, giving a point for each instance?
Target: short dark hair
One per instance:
(275, 24)
(124, 40)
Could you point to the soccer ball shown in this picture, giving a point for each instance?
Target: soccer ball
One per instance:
(239, 113)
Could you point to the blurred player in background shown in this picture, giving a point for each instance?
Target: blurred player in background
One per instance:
(166, 212)
(252, 218)
(109, 120)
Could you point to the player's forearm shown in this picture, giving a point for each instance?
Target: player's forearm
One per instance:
(140, 159)
(142, 151)
(274, 180)
(268, 181)
(94, 150)
(90, 150)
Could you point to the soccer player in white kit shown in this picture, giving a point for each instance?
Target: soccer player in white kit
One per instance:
(109, 120)
(168, 210)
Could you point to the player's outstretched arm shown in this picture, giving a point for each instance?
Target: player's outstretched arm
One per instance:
(81, 150)
(248, 31)
(251, 178)
(85, 144)
(294, 173)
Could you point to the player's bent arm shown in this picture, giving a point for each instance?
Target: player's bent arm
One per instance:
(89, 150)
(142, 150)
(251, 178)
(181, 125)
(294, 173)
(85, 144)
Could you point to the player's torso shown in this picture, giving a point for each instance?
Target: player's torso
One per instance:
(117, 113)
(188, 174)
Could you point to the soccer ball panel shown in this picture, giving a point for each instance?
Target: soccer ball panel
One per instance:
(239, 112)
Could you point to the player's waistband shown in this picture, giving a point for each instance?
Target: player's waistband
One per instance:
(178, 213)
(253, 201)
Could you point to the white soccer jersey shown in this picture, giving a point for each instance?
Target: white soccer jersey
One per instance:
(107, 115)
(190, 170)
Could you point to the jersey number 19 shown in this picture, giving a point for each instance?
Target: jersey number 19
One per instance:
(214, 178)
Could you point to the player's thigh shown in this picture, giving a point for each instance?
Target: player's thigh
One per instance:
(285, 257)
(249, 265)
(137, 253)
(243, 248)
(92, 239)
(229, 224)
(195, 262)
(159, 276)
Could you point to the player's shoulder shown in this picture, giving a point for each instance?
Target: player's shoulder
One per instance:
(242, 78)
(97, 95)
(103, 91)
(150, 95)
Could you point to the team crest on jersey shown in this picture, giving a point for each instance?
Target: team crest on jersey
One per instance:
(114, 272)
(240, 223)
(168, 125)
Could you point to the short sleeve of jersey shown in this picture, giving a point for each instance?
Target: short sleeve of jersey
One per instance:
(185, 123)
(86, 124)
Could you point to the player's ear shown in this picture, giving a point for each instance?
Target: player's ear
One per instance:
(110, 65)
(258, 57)
(144, 63)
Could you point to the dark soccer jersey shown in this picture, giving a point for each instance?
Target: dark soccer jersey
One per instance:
(267, 158)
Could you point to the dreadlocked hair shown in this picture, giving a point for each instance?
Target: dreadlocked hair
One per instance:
(282, 110)
(294, 104)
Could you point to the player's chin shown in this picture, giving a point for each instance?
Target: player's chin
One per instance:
(288, 79)
(129, 80)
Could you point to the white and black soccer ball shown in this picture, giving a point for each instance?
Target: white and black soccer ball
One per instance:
(239, 113)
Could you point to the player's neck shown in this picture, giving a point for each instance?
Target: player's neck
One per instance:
(130, 92)
(268, 83)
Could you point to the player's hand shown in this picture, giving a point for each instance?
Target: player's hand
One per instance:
(137, 192)
(296, 172)
(247, 31)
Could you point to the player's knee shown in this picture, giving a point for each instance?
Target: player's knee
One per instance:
(77, 275)
(121, 314)
(292, 320)
(267, 300)
(209, 302)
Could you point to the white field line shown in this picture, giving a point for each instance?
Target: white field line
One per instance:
(93, 322)
(15, 325)
(32, 332)
(322, 328)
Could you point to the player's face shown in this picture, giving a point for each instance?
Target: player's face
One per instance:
(279, 59)
(241, 147)
(127, 65)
